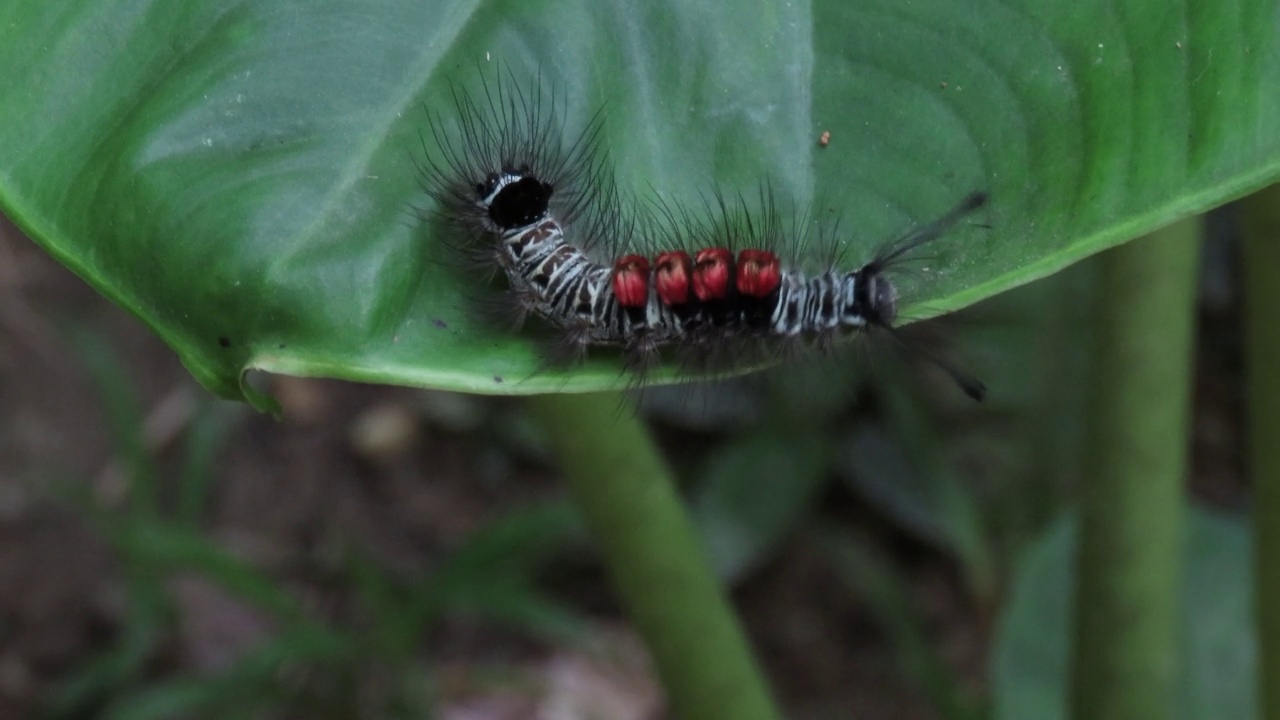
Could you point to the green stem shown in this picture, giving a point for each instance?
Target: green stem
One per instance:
(1261, 229)
(1131, 504)
(626, 494)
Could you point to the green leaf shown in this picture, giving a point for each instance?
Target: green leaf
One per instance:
(873, 576)
(753, 493)
(164, 546)
(1218, 647)
(241, 174)
(922, 493)
(258, 681)
(492, 573)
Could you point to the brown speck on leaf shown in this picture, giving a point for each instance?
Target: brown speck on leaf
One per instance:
(825, 138)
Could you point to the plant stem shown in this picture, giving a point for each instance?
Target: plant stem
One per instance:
(1131, 503)
(627, 497)
(1261, 255)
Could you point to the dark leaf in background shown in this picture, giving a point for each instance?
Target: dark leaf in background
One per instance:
(1029, 665)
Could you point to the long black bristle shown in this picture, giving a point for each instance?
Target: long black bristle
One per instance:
(918, 236)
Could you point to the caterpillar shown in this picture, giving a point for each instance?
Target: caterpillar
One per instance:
(713, 290)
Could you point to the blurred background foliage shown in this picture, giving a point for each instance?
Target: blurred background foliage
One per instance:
(397, 553)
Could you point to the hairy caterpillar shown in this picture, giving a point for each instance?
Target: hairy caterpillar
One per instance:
(710, 287)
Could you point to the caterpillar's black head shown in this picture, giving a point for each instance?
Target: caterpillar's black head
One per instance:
(515, 198)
